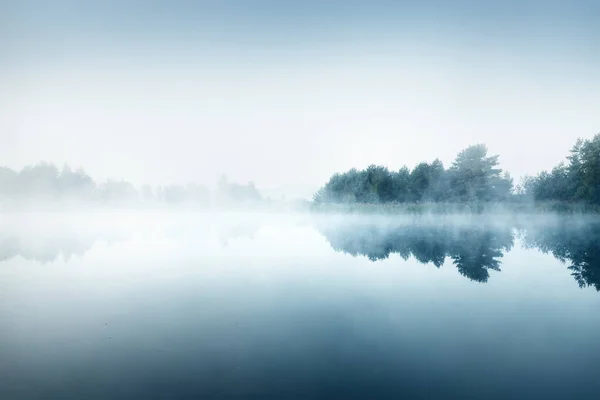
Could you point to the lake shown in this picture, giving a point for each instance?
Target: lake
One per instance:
(172, 305)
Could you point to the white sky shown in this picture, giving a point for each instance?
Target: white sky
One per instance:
(180, 112)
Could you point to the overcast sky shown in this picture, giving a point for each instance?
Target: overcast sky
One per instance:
(286, 93)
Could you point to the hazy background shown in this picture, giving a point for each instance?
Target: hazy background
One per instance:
(284, 94)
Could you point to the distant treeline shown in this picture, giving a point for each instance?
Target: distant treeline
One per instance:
(577, 180)
(472, 177)
(46, 184)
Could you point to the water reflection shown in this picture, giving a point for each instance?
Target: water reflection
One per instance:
(46, 249)
(229, 232)
(276, 314)
(51, 245)
(577, 245)
(473, 249)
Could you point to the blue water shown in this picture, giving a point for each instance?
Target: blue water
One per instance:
(164, 306)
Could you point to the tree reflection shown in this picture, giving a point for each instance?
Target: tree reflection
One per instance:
(45, 249)
(477, 250)
(575, 244)
(473, 249)
(54, 245)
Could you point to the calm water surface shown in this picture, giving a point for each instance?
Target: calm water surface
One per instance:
(165, 306)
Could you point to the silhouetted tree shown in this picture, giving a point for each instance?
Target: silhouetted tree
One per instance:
(475, 176)
(419, 181)
(401, 181)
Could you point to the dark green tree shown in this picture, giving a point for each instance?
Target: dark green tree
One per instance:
(419, 182)
(584, 170)
(475, 176)
(401, 180)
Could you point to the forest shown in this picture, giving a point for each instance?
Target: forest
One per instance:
(45, 184)
(474, 176)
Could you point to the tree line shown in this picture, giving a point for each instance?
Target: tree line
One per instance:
(576, 180)
(45, 183)
(474, 176)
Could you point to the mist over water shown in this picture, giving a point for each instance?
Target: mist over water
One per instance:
(308, 199)
(263, 305)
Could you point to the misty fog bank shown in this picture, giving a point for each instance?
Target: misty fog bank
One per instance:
(44, 186)
(474, 183)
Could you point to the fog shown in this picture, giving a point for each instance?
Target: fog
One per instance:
(474, 243)
(309, 199)
(224, 303)
(45, 187)
(274, 94)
